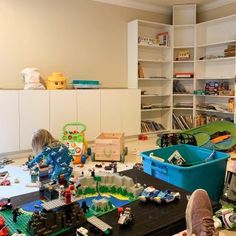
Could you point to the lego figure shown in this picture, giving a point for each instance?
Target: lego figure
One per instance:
(61, 192)
(92, 172)
(68, 196)
(6, 205)
(126, 217)
(16, 212)
(231, 104)
(84, 207)
(55, 153)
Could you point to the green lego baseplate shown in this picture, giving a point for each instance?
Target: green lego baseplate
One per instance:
(22, 222)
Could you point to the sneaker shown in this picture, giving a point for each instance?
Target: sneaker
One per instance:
(199, 215)
(229, 220)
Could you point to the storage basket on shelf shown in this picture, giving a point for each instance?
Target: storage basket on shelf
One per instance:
(208, 175)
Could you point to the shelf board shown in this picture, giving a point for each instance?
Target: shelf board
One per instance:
(154, 24)
(215, 111)
(182, 94)
(153, 61)
(157, 132)
(213, 96)
(187, 61)
(153, 79)
(154, 95)
(183, 78)
(216, 43)
(183, 47)
(182, 108)
(153, 46)
(216, 78)
(155, 109)
(216, 59)
(186, 46)
(185, 26)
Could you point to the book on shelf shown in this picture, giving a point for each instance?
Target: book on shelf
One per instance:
(182, 122)
(163, 39)
(151, 126)
(203, 119)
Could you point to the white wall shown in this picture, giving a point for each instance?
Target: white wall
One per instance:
(83, 39)
(226, 10)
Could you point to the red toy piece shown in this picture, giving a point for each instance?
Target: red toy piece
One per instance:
(4, 181)
(120, 211)
(142, 137)
(68, 196)
(3, 229)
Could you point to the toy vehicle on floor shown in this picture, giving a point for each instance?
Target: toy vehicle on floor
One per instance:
(126, 217)
(152, 194)
(76, 142)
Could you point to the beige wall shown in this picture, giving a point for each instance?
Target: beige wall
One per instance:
(81, 38)
(226, 10)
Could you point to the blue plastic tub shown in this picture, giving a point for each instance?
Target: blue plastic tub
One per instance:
(206, 175)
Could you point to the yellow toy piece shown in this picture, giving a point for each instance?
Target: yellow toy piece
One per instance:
(56, 81)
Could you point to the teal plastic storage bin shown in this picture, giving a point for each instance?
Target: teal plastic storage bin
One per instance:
(206, 175)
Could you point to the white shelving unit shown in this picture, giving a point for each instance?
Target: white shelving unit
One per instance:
(206, 51)
(149, 44)
(184, 24)
(215, 68)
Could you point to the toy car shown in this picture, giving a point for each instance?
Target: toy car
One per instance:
(152, 194)
(126, 217)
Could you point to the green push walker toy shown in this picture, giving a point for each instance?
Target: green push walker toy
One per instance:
(76, 142)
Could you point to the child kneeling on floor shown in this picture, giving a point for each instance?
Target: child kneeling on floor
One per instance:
(53, 152)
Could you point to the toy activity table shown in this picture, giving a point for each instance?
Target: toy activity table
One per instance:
(149, 218)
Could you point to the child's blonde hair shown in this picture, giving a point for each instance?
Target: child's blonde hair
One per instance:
(42, 138)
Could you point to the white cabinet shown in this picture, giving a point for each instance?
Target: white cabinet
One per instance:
(184, 23)
(120, 111)
(130, 111)
(63, 110)
(215, 70)
(89, 111)
(111, 110)
(33, 114)
(150, 69)
(9, 121)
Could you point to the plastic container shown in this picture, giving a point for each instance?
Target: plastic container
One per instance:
(201, 174)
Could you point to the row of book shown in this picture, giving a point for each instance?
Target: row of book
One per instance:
(182, 122)
(151, 126)
(203, 119)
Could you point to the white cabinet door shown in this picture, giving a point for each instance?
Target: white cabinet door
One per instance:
(111, 110)
(9, 121)
(130, 111)
(89, 111)
(63, 110)
(34, 114)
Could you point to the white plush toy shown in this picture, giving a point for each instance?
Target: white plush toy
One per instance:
(32, 79)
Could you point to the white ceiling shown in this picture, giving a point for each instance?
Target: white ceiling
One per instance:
(165, 6)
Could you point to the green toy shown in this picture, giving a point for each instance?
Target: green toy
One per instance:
(205, 135)
(76, 142)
